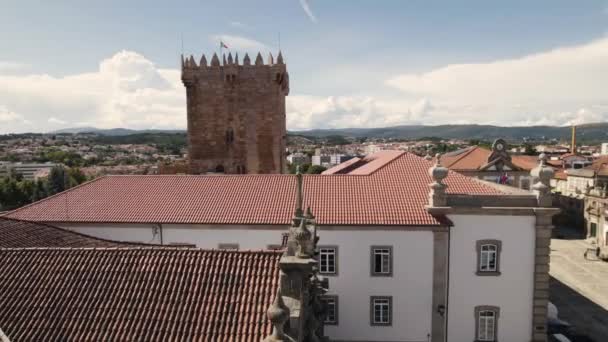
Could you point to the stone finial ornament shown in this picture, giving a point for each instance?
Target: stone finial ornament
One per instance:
(438, 172)
(270, 59)
(224, 59)
(278, 314)
(303, 238)
(230, 61)
(437, 195)
(299, 212)
(246, 59)
(280, 58)
(236, 58)
(215, 61)
(542, 188)
(203, 62)
(191, 62)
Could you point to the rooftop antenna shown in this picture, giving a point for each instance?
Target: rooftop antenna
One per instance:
(182, 38)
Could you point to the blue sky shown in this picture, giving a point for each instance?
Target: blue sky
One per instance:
(351, 63)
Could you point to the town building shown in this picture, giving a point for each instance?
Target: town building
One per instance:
(495, 165)
(298, 158)
(236, 114)
(413, 251)
(29, 171)
(62, 285)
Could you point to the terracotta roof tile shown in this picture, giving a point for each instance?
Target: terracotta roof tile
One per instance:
(18, 233)
(129, 294)
(474, 157)
(393, 193)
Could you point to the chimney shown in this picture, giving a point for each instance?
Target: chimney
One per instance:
(573, 143)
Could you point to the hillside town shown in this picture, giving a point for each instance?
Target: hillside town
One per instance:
(259, 214)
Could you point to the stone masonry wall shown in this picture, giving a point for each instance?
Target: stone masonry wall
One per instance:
(236, 115)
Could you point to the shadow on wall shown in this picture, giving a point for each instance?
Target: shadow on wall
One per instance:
(589, 321)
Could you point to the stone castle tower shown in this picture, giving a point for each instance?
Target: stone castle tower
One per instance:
(236, 114)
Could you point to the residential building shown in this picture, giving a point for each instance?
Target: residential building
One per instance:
(413, 251)
(322, 160)
(495, 165)
(298, 158)
(604, 149)
(98, 290)
(29, 171)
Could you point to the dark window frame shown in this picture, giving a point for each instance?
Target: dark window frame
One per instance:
(336, 260)
(336, 309)
(482, 308)
(372, 307)
(478, 249)
(373, 261)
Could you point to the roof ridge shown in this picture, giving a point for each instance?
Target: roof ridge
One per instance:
(6, 213)
(44, 224)
(462, 155)
(398, 155)
(154, 247)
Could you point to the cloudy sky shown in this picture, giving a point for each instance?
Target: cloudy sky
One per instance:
(352, 63)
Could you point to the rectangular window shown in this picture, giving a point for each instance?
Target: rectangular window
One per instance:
(488, 257)
(593, 230)
(331, 304)
(328, 260)
(486, 328)
(382, 260)
(381, 310)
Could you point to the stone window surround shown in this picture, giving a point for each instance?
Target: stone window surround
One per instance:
(232, 246)
(478, 245)
(336, 260)
(390, 311)
(336, 306)
(372, 261)
(496, 311)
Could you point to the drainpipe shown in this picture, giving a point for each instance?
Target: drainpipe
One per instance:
(160, 226)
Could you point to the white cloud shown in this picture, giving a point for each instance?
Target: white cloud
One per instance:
(55, 121)
(306, 7)
(556, 87)
(9, 117)
(240, 43)
(11, 67)
(126, 91)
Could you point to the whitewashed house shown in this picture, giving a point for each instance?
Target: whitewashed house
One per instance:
(413, 252)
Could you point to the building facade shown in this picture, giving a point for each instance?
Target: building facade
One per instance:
(236, 114)
(495, 165)
(405, 262)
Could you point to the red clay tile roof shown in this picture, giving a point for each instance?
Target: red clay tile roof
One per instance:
(17, 233)
(366, 165)
(394, 194)
(136, 294)
(474, 157)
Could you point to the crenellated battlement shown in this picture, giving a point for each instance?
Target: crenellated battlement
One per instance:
(190, 64)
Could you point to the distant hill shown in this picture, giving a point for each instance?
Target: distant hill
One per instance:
(114, 131)
(589, 132)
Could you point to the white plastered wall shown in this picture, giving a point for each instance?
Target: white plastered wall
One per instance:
(512, 291)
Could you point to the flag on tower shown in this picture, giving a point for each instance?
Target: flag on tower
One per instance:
(222, 45)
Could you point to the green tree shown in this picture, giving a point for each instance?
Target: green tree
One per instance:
(58, 180)
(76, 176)
(316, 169)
